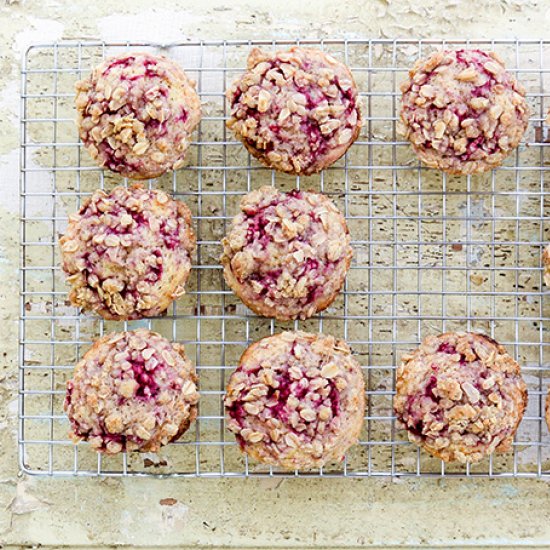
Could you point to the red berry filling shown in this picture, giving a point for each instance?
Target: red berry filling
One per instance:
(122, 62)
(145, 377)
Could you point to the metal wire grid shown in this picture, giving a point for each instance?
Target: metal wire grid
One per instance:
(432, 253)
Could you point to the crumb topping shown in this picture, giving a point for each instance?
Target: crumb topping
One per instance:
(297, 110)
(127, 254)
(296, 400)
(460, 396)
(131, 391)
(287, 254)
(136, 113)
(462, 111)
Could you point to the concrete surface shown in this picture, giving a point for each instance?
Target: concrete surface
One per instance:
(240, 513)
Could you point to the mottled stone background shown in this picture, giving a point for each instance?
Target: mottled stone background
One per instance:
(240, 513)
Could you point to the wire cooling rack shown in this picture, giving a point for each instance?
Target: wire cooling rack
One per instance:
(432, 253)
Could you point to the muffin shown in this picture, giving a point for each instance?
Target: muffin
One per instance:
(297, 400)
(460, 396)
(546, 264)
(132, 391)
(462, 111)
(136, 113)
(127, 253)
(287, 254)
(547, 409)
(296, 111)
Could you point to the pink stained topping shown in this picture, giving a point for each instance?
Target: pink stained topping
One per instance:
(451, 350)
(259, 231)
(445, 347)
(477, 59)
(182, 117)
(106, 437)
(460, 396)
(421, 424)
(126, 393)
(296, 400)
(256, 230)
(267, 281)
(119, 62)
(296, 194)
(286, 386)
(113, 161)
(277, 404)
(317, 143)
(171, 235)
(128, 62)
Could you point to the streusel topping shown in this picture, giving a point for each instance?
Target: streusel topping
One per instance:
(296, 400)
(287, 254)
(460, 396)
(127, 254)
(131, 391)
(296, 111)
(462, 111)
(136, 113)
